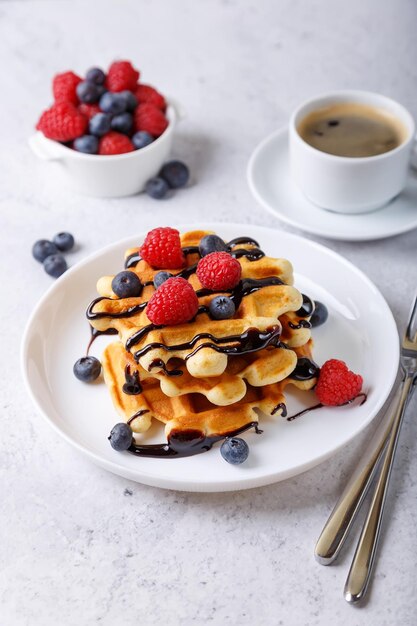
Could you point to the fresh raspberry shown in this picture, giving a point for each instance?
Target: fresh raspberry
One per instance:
(174, 302)
(219, 271)
(62, 122)
(64, 87)
(89, 110)
(115, 143)
(162, 249)
(122, 75)
(337, 384)
(146, 93)
(148, 117)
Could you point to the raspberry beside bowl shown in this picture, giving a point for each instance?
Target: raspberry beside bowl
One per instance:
(109, 176)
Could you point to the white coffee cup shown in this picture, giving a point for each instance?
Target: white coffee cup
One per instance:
(350, 184)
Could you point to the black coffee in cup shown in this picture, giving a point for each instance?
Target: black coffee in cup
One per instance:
(352, 129)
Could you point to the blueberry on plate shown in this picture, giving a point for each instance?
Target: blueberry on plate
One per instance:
(221, 308)
(175, 173)
(234, 450)
(157, 188)
(122, 123)
(160, 278)
(320, 314)
(126, 284)
(64, 241)
(141, 139)
(88, 92)
(43, 248)
(112, 103)
(55, 265)
(95, 75)
(87, 369)
(211, 243)
(130, 100)
(99, 124)
(87, 144)
(121, 437)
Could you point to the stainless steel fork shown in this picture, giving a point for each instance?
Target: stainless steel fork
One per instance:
(340, 520)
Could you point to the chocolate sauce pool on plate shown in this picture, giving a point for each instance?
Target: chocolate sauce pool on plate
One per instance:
(182, 443)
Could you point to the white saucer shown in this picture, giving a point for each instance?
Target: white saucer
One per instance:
(270, 182)
(57, 334)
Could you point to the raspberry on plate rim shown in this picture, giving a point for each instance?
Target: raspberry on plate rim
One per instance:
(337, 384)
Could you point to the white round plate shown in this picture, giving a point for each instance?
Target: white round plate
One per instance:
(360, 330)
(271, 183)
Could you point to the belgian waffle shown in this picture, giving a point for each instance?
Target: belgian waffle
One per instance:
(191, 410)
(266, 314)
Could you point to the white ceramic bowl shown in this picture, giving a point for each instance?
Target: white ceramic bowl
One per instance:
(108, 176)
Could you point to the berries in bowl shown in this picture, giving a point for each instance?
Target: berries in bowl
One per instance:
(109, 132)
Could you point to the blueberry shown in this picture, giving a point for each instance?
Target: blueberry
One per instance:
(88, 92)
(122, 123)
(320, 314)
(64, 241)
(95, 75)
(100, 124)
(175, 173)
(43, 248)
(112, 103)
(157, 188)
(101, 90)
(87, 369)
(87, 144)
(160, 278)
(126, 285)
(130, 100)
(234, 450)
(222, 307)
(211, 243)
(121, 437)
(55, 265)
(142, 139)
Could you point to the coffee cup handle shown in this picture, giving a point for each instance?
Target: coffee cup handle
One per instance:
(413, 158)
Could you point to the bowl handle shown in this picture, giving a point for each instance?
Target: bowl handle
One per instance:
(44, 148)
(178, 108)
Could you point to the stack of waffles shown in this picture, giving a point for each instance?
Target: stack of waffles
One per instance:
(206, 375)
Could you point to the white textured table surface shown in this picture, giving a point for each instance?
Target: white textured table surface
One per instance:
(79, 545)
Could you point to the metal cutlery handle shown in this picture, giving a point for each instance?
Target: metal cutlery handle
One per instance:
(341, 518)
(363, 560)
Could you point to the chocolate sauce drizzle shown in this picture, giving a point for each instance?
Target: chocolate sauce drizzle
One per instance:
(318, 406)
(129, 312)
(251, 340)
(279, 406)
(97, 333)
(159, 363)
(137, 414)
(307, 308)
(182, 443)
(301, 324)
(306, 369)
(132, 386)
